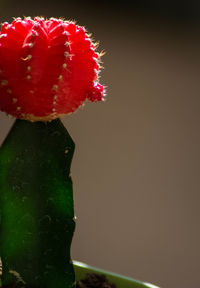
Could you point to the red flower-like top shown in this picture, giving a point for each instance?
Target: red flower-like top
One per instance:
(47, 68)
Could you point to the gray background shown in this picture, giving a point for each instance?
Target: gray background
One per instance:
(136, 165)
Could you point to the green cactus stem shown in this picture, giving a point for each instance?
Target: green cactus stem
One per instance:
(36, 206)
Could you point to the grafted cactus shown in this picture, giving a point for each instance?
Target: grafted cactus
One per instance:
(48, 68)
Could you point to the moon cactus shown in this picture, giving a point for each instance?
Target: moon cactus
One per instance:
(48, 68)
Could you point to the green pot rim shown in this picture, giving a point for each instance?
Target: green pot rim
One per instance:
(81, 269)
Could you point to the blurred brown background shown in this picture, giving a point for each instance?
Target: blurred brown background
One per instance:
(136, 166)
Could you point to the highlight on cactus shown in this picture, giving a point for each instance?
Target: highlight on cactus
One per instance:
(48, 68)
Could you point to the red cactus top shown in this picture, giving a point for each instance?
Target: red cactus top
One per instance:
(47, 68)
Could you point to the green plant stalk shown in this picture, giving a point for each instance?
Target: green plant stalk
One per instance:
(36, 206)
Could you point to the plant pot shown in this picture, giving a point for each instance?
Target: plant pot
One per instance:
(81, 269)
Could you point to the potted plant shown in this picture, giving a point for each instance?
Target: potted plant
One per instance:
(48, 68)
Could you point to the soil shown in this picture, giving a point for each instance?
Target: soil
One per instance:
(95, 281)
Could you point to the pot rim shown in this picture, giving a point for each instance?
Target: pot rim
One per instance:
(83, 268)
